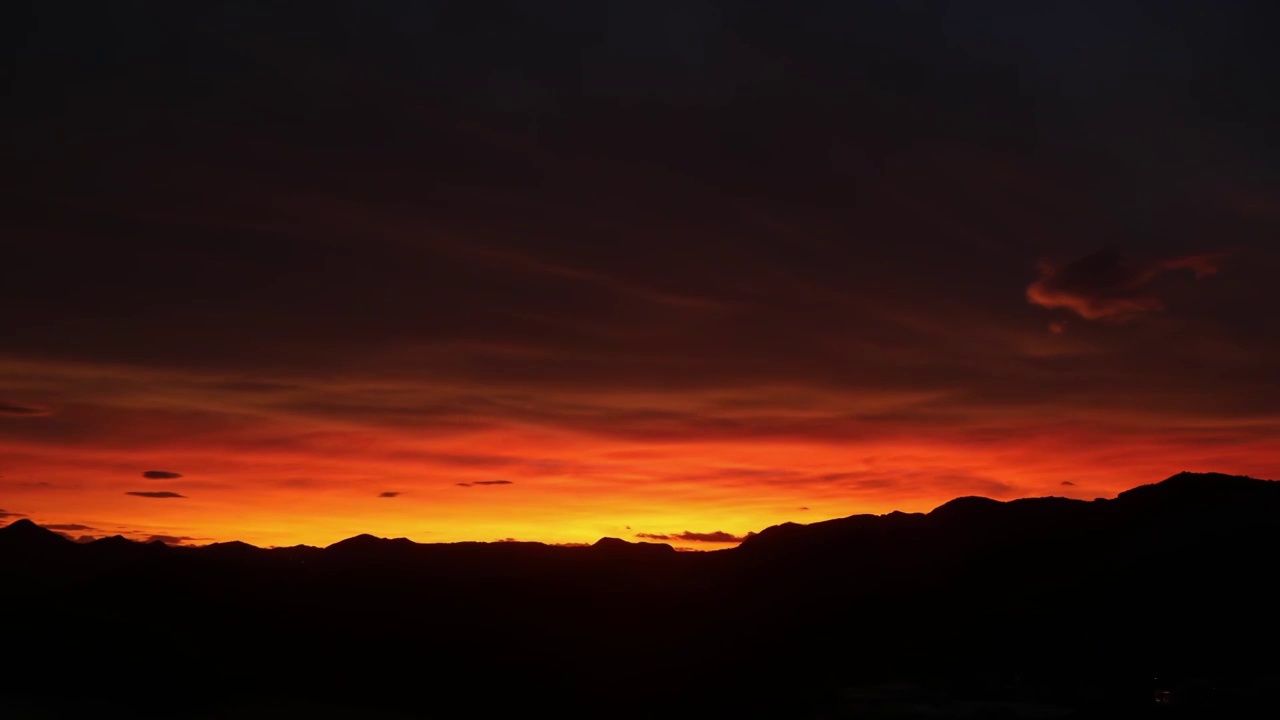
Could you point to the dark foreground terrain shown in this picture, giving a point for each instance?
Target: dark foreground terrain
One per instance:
(1158, 603)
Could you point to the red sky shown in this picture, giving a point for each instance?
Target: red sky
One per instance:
(706, 275)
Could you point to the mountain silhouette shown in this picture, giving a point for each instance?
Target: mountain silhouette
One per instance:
(24, 544)
(113, 542)
(30, 533)
(1084, 608)
(26, 535)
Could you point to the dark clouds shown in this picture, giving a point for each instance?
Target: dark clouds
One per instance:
(6, 514)
(1105, 286)
(163, 494)
(69, 527)
(16, 410)
(161, 475)
(718, 536)
(389, 494)
(474, 483)
(843, 156)
(656, 226)
(170, 539)
(1066, 482)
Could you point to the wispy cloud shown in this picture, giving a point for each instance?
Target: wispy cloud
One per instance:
(1107, 287)
(17, 410)
(159, 495)
(719, 536)
(170, 539)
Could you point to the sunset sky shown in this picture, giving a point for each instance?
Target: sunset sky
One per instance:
(675, 270)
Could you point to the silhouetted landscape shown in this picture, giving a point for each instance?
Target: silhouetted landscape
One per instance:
(303, 303)
(1159, 601)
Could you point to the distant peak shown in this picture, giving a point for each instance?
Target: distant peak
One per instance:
(1194, 478)
(26, 531)
(237, 545)
(365, 540)
(613, 543)
(964, 505)
(1193, 488)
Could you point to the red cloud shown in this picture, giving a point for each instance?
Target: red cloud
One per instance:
(1105, 287)
(1201, 265)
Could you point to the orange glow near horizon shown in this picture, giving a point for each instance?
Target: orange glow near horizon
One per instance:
(677, 282)
(260, 465)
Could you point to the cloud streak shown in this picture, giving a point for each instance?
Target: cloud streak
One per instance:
(161, 475)
(16, 410)
(170, 539)
(1106, 287)
(719, 536)
(157, 495)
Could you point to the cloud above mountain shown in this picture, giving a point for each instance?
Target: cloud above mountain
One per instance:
(169, 539)
(157, 495)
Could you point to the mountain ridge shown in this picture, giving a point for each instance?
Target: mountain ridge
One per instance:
(1182, 489)
(1079, 602)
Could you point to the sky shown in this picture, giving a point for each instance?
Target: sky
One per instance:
(674, 271)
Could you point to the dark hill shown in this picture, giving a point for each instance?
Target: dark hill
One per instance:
(114, 542)
(626, 549)
(1198, 491)
(1073, 604)
(25, 535)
